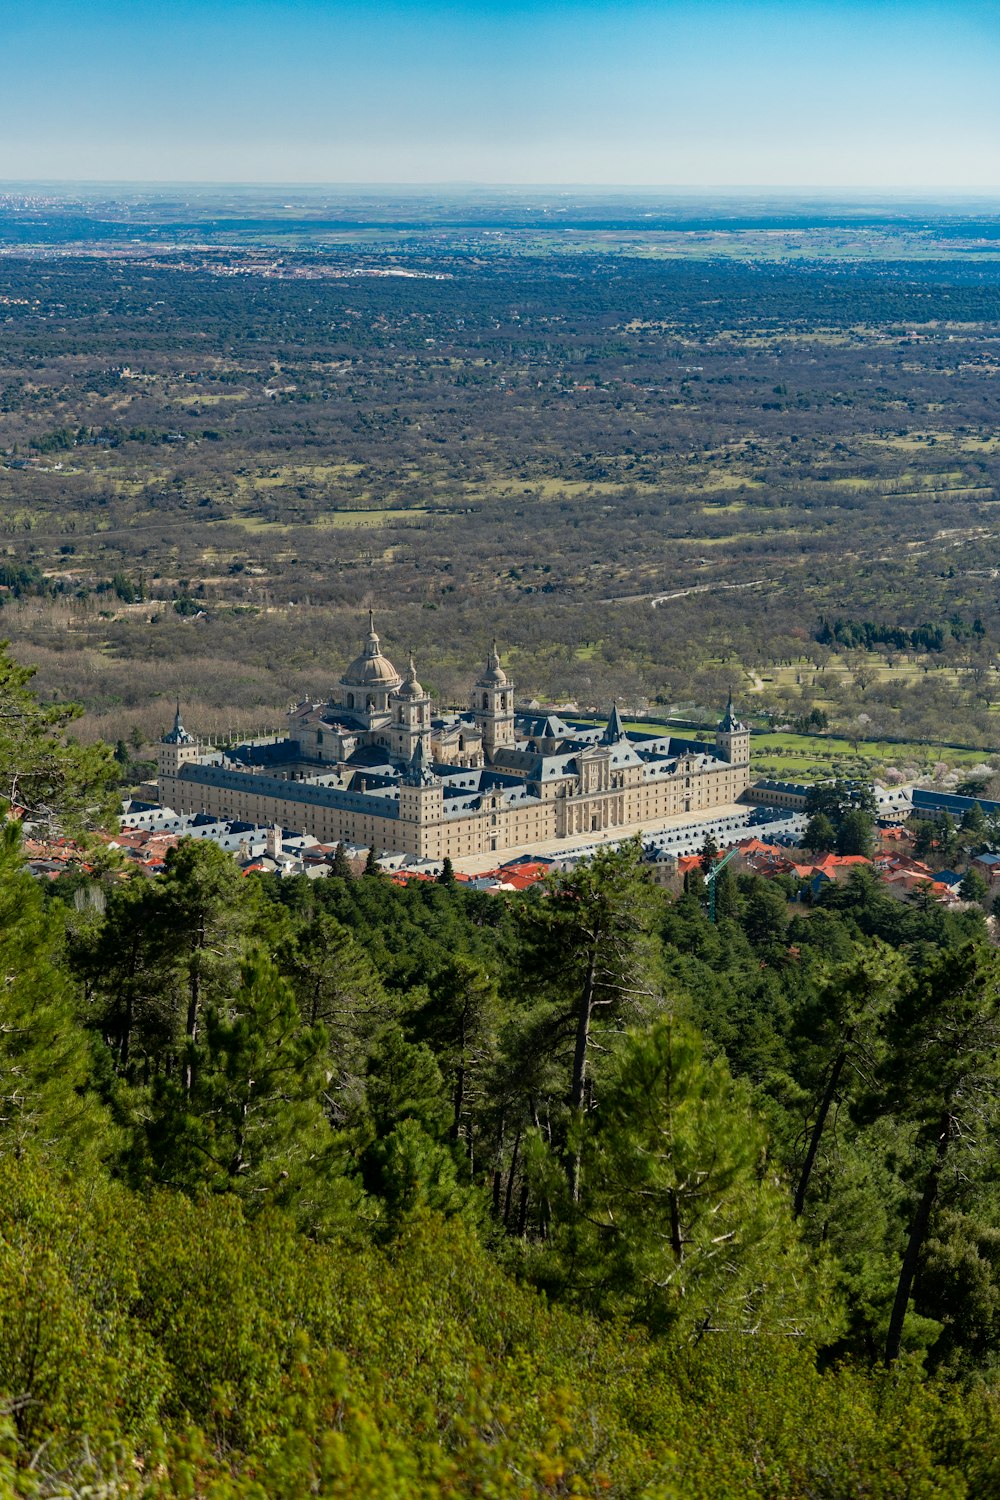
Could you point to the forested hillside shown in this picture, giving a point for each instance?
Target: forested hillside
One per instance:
(344, 1189)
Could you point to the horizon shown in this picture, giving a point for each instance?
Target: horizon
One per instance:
(823, 191)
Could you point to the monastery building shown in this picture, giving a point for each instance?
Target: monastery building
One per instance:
(375, 764)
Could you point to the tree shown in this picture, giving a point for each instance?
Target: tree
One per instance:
(680, 1219)
(974, 825)
(765, 915)
(203, 913)
(924, 832)
(43, 772)
(948, 843)
(341, 866)
(708, 855)
(372, 866)
(943, 1076)
(727, 901)
(973, 887)
(251, 1121)
(44, 1059)
(447, 874)
(589, 939)
(337, 988)
(819, 834)
(129, 978)
(855, 833)
(846, 1020)
(459, 1021)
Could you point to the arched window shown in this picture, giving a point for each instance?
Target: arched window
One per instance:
(486, 700)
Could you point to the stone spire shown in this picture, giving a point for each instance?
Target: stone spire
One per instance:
(418, 771)
(615, 729)
(730, 724)
(178, 735)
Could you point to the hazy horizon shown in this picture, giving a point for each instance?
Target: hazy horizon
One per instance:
(686, 95)
(821, 193)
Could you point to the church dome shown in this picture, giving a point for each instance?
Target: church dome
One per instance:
(494, 676)
(371, 668)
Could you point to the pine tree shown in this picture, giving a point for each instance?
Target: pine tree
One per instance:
(252, 1121)
(460, 1021)
(727, 901)
(44, 773)
(819, 834)
(44, 1061)
(943, 1077)
(844, 1026)
(680, 1220)
(590, 941)
(203, 914)
(337, 988)
(855, 833)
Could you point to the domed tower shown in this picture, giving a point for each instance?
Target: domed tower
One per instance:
(493, 706)
(411, 717)
(369, 681)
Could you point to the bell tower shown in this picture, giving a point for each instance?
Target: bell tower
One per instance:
(493, 706)
(410, 707)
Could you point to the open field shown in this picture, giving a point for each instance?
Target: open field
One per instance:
(812, 757)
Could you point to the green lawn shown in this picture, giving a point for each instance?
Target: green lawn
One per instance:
(798, 757)
(802, 757)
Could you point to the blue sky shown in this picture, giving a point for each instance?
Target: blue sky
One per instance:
(900, 94)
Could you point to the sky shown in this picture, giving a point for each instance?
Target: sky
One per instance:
(896, 95)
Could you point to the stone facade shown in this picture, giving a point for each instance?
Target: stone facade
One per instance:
(375, 765)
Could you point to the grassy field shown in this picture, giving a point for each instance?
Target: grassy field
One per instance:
(799, 757)
(802, 757)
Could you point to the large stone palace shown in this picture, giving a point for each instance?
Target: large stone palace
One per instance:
(376, 765)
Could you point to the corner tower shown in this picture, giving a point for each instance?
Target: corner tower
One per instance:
(493, 706)
(176, 748)
(421, 803)
(732, 739)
